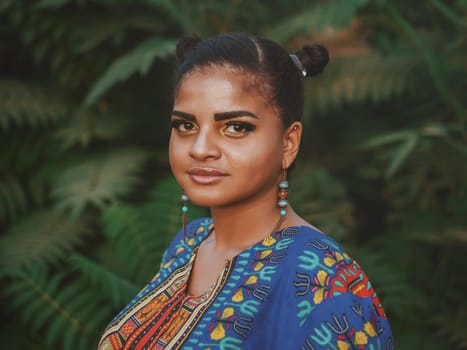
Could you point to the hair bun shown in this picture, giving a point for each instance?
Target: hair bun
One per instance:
(185, 45)
(313, 57)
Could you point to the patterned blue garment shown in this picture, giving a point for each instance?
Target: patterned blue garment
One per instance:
(296, 289)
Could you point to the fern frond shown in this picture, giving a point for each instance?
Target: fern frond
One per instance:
(13, 198)
(40, 238)
(181, 13)
(26, 105)
(97, 181)
(370, 78)
(407, 142)
(138, 246)
(87, 125)
(162, 212)
(65, 313)
(15, 336)
(139, 60)
(451, 324)
(322, 200)
(108, 283)
(332, 14)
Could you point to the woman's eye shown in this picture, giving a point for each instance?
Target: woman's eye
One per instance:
(238, 128)
(183, 125)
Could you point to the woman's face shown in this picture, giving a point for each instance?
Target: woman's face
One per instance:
(227, 142)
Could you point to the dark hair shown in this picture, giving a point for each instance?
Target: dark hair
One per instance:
(261, 57)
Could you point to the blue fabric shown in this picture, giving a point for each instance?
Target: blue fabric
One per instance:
(296, 289)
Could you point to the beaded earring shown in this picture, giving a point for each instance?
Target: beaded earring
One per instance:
(282, 202)
(184, 199)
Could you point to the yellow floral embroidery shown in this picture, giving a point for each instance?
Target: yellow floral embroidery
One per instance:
(200, 229)
(266, 253)
(318, 298)
(369, 329)
(238, 297)
(168, 263)
(360, 338)
(180, 250)
(339, 256)
(319, 294)
(229, 311)
(342, 345)
(191, 241)
(252, 280)
(269, 241)
(258, 266)
(218, 332)
(329, 261)
(322, 275)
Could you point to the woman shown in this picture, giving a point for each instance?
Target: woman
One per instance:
(255, 275)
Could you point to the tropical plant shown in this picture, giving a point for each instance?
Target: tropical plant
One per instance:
(383, 166)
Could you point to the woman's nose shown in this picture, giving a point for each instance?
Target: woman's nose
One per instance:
(204, 146)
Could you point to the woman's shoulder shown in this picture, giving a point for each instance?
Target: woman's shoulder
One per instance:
(315, 253)
(323, 270)
(331, 290)
(309, 239)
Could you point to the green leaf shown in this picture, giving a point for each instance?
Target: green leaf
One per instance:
(332, 14)
(402, 153)
(449, 13)
(97, 181)
(113, 287)
(40, 238)
(28, 105)
(322, 200)
(53, 4)
(139, 59)
(87, 125)
(68, 314)
(386, 138)
(361, 79)
(13, 199)
(179, 12)
(432, 62)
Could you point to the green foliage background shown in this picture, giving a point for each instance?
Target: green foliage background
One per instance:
(87, 203)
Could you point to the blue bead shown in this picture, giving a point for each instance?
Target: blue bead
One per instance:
(184, 197)
(283, 185)
(184, 208)
(282, 203)
(283, 212)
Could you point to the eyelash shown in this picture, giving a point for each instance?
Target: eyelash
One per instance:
(247, 127)
(175, 124)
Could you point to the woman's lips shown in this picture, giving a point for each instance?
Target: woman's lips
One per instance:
(206, 176)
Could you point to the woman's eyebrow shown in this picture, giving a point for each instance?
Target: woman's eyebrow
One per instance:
(184, 115)
(233, 114)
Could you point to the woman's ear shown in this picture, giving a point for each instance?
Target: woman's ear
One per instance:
(292, 137)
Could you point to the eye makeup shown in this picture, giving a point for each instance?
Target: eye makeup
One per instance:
(238, 127)
(182, 125)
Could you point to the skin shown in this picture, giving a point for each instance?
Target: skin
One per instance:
(227, 150)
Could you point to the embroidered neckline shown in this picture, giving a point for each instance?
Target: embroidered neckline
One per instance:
(215, 286)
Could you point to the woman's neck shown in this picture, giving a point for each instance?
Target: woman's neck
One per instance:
(238, 227)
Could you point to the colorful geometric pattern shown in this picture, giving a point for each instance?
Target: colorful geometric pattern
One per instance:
(296, 289)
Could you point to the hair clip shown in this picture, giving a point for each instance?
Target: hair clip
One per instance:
(298, 64)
